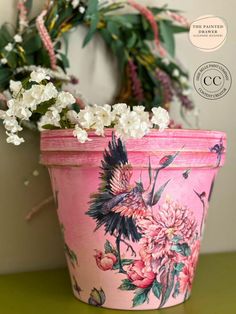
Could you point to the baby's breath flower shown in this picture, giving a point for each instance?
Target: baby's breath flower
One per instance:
(9, 47)
(51, 117)
(18, 38)
(3, 61)
(81, 134)
(82, 10)
(165, 61)
(130, 125)
(103, 114)
(64, 99)
(72, 116)
(175, 73)
(75, 3)
(11, 124)
(99, 128)
(14, 139)
(120, 108)
(49, 92)
(160, 118)
(183, 79)
(15, 87)
(38, 76)
(86, 117)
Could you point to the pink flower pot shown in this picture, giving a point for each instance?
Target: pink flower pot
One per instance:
(132, 213)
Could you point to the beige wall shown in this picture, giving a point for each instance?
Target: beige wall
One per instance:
(37, 245)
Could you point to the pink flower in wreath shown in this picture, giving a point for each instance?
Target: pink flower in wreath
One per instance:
(172, 222)
(187, 274)
(105, 261)
(139, 276)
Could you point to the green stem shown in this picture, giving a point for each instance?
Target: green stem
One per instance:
(118, 240)
(154, 185)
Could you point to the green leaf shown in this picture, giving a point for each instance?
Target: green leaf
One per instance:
(28, 5)
(92, 29)
(145, 23)
(182, 249)
(5, 35)
(167, 288)
(42, 57)
(176, 290)
(178, 268)
(92, 15)
(123, 263)
(71, 254)
(150, 171)
(157, 11)
(50, 127)
(127, 285)
(158, 194)
(65, 38)
(176, 239)
(167, 37)
(12, 59)
(131, 41)
(5, 75)
(124, 20)
(178, 29)
(106, 35)
(113, 28)
(108, 247)
(141, 296)
(43, 107)
(64, 60)
(92, 7)
(31, 43)
(156, 288)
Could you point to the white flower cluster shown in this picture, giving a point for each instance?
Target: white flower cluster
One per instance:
(25, 102)
(127, 123)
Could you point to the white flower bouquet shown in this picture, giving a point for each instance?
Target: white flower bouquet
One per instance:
(38, 99)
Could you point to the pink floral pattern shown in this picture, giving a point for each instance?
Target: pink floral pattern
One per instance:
(105, 261)
(167, 233)
(159, 234)
(187, 274)
(139, 276)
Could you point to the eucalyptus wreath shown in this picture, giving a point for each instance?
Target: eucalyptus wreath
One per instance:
(143, 42)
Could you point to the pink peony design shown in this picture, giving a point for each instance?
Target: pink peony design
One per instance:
(187, 274)
(139, 276)
(105, 261)
(172, 223)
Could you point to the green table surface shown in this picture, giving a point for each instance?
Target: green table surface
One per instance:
(44, 292)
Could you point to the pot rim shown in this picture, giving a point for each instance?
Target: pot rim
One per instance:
(175, 133)
(199, 148)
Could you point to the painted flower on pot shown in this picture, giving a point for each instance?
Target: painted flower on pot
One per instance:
(166, 234)
(105, 261)
(139, 276)
(187, 274)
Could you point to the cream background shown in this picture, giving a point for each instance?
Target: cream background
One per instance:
(38, 245)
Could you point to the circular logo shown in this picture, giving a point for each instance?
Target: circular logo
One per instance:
(212, 80)
(208, 33)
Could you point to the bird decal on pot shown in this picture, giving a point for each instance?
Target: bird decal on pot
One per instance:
(120, 203)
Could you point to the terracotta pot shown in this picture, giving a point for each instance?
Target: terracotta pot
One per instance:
(132, 213)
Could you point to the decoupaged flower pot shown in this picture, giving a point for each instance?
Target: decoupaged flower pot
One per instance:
(132, 213)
